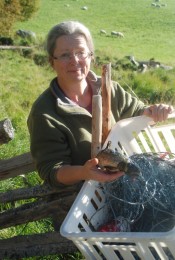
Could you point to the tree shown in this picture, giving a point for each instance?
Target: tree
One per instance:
(28, 8)
(12, 11)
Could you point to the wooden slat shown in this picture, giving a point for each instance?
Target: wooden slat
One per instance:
(12, 47)
(38, 191)
(34, 211)
(35, 245)
(96, 125)
(106, 101)
(17, 165)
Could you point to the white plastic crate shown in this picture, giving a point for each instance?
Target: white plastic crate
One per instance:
(133, 135)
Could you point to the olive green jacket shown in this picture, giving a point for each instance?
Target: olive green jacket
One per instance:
(60, 130)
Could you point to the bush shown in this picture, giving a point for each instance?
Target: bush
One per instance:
(40, 59)
(12, 11)
(28, 8)
(9, 12)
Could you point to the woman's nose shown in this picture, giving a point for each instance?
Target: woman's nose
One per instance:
(74, 57)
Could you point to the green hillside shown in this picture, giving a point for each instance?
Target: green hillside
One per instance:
(149, 31)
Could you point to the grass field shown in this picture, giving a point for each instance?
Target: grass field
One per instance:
(149, 31)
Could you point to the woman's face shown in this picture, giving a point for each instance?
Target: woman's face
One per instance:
(71, 58)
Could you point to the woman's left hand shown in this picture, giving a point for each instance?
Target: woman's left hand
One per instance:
(158, 112)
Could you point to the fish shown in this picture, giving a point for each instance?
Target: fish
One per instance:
(111, 161)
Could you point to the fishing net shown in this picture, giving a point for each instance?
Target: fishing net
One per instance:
(147, 202)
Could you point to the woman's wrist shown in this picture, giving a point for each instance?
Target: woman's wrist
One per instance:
(69, 174)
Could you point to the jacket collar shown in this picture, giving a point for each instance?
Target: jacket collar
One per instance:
(62, 101)
(93, 80)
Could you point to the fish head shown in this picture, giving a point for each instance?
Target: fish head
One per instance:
(133, 170)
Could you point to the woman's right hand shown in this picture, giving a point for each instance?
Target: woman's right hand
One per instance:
(71, 174)
(92, 172)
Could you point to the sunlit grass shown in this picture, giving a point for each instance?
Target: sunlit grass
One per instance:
(21, 82)
(149, 31)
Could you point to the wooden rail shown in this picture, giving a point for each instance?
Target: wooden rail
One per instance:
(12, 47)
(47, 202)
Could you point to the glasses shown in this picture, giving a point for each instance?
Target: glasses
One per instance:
(80, 55)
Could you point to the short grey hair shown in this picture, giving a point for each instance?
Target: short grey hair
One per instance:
(67, 28)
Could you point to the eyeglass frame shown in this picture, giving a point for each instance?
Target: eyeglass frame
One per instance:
(67, 56)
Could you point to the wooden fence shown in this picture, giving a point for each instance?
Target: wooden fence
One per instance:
(46, 203)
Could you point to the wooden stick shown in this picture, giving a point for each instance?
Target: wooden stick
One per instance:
(106, 101)
(96, 125)
(11, 47)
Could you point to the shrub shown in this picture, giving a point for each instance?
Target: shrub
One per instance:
(40, 59)
(12, 11)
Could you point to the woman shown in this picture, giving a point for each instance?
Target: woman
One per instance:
(60, 119)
